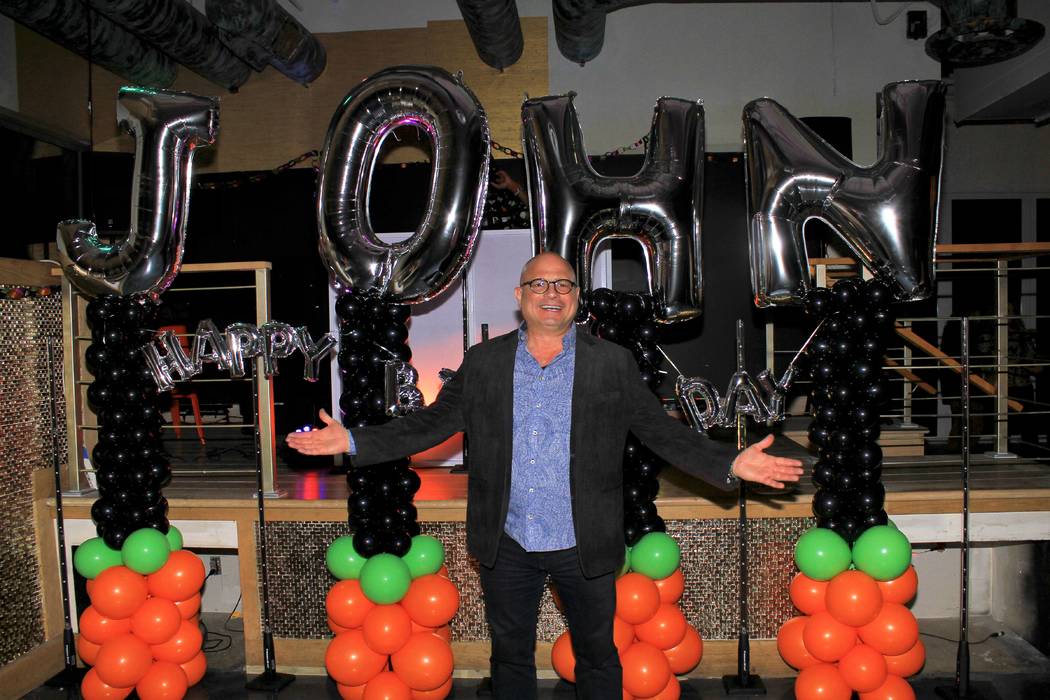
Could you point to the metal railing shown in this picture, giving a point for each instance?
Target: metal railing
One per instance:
(81, 422)
(1005, 362)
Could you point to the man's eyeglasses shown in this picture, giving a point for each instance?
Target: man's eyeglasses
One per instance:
(540, 285)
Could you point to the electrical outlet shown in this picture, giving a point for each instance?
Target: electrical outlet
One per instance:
(215, 566)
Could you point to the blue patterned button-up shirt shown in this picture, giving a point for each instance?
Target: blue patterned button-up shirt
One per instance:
(540, 514)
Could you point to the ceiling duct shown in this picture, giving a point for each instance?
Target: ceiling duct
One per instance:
(183, 33)
(980, 32)
(67, 23)
(261, 32)
(495, 28)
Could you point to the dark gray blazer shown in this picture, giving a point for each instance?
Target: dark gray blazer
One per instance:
(608, 400)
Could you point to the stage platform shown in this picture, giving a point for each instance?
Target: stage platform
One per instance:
(1009, 500)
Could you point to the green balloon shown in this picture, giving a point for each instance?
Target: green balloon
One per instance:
(385, 579)
(626, 562)
(95, 556)
(342, 559)
(145, 550)
(174, 538)
(656, 555)
(821, 553)
(882, 552)
(425, 556)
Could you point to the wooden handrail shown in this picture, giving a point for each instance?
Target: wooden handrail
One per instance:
(911, 377)
(988, 250)
(244, 266)
(933, 351)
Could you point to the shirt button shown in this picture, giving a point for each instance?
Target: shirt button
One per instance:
(532, 461)
(538, 405)
(535, 432)
(532, 490)
(530, 516)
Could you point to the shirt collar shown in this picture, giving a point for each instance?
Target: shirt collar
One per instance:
(568, 341)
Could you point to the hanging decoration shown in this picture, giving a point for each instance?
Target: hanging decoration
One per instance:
(855, 634)
(140, 632)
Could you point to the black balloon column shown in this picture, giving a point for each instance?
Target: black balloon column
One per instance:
(129, 463)
(848, 393)
(627, 319)
(372, 332)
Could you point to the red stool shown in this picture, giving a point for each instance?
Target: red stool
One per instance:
(176, 394)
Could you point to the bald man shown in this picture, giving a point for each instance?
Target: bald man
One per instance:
(547, 412)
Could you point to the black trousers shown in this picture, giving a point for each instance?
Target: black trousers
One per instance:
(513, 588)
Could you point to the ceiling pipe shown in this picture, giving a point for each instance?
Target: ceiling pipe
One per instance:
(262, 30)
(495, 28)
(67, 23)
(183, 33)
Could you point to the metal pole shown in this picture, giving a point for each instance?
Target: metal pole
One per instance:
(743, 683)
(71, 675)
(269, 680)
(1002, 359)
(963, 687)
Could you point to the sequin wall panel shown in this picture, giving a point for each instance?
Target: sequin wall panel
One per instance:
(25, 446)
(299, 581)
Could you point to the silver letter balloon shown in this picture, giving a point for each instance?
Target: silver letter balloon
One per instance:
(574, 208)
(168, 128)
(421, 267)
(886, 213)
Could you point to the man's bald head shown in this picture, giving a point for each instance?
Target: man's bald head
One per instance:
(547, 260)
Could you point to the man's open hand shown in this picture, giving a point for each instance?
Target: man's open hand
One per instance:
(753, 464)
(330, 440)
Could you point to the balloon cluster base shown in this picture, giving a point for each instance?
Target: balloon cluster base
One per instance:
(270, 682)
(748, 685)
(973, 691)
(69, 677)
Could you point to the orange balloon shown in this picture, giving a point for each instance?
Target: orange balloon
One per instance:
(181, 646)
(119, 592)
(901, 589)
(337, 629)
(443, 571)
(671, 691)
(672, 587)
(195, 669)
(87, 650)
(350, 692)
(163, 681)
(893, 632)
(863, 668)
(97, 628)
(791, 647)
(387, 686)
(627, 696)
(623, 634)
(909, 663)
(895, 688)
(94, 688)
(562, 657)
(431, 600)
(821, 682)
(189, 607)
(156, 621)
(439, 693)
(665, 629)
(826, 638)
(424, 663)
(387, 628)
(444, 632)
(645, 669)
(637, 598)
(853, 598)
(123, 661)
(347, 604)
(684, 657)
(180, 578)
(808, 594)
(349, 660)
(89, 585)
